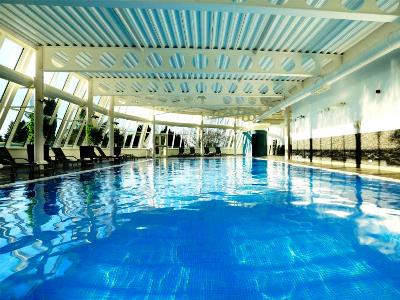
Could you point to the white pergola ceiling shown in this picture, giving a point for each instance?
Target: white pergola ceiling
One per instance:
(112, 59)
(187, 55)
(363, 10)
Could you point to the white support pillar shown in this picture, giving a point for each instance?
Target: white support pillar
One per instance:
(288, 140)
(89, 108)
(202, 136)
(235, 138)
(154, 135)
(39, 97)
(111, 125)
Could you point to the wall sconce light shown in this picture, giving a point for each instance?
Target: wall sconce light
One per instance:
(94, 116)
(357, 125)
(300, 117)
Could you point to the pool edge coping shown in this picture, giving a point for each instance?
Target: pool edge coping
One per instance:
(23, 182)
(376, 177)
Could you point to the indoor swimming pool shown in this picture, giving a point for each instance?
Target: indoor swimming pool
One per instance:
(224, 228)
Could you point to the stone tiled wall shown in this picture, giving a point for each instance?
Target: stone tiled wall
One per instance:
(326, 144)
(337, 150)
(316, 143)
(381, 148)
(349, 147)
(377, 148)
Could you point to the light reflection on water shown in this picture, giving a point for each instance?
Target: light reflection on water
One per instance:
(215, 228)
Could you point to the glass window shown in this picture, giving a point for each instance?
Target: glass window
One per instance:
(62, 109)
(128, 140)
(10, 53)
(137, 136)
(78, 121)
(47, 77)
(214, 137)
(71, 85)
(3, 85)
(30, 69)
(59, 80)
(81, 90)
(9, 121)
(22, 132)
(96, 100)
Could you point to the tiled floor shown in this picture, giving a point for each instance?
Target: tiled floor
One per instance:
(363, 171)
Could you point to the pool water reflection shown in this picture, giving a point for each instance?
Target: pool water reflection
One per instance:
(229, 228)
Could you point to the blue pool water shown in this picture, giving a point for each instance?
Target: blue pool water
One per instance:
(201, 229)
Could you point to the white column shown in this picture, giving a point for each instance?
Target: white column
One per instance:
(89, 107)
(201, 136)
(288, 140)
(235, 138)
(111, 125)
(39, 97)
(154, 135)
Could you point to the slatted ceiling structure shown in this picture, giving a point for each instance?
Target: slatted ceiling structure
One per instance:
(187, 56)
(155, 28)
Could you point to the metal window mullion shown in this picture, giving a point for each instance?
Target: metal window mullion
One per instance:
(69, 133)
(12, 91)
(173, 140)
(4, 96)
(55, 112)
(23, 60)
(125, 137)
(61, 128)
(79, 133)
(64, 124)
(133, 136)
(77, 120)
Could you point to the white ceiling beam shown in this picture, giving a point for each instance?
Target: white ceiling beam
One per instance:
(115, 59)
(200, 102)
(52, 92)
(332, 9)
(173, 87)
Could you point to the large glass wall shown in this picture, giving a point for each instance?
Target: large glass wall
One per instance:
(65, 122)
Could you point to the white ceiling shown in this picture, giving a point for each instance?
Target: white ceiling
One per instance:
(188, 56)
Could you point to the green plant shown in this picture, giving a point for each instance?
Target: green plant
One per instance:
(9, 128)
(118, 137)
(88, 133)
(31, 129)
(21, 134)
(94, 134)
(49, 128)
